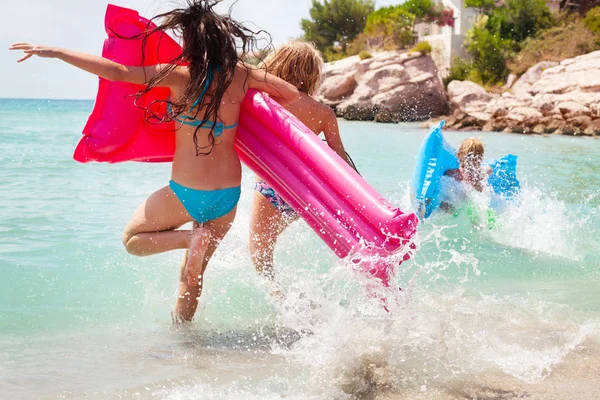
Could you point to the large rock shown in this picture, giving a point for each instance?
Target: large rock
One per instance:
(523, 113)
(593, 128)
(499, 105)
(462, 93)
(570, 109)
(522, 86)
(510, 81)
(550, 97)
(581, 123)
(577, 96)
(358, 112)
(339, 80)
(579, 73)
(389, 87)
(382, 60)
(380, 80)
(337, 88)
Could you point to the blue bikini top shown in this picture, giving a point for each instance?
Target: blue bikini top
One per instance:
(219, 127)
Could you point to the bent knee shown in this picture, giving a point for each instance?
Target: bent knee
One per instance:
(125, 238)
(129, 240)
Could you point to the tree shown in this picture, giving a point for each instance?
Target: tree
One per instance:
(421, 9)
(592, 20)
(500, 32)
(483, 6)
(393, 24)
(336, 22)
(520, 19)
(488, 51)
(427, 11)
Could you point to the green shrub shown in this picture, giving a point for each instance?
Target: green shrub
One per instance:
(489, 52)
(423, 48)
(358, 44)
(459, 70)
(419, 8)
(519, 19)
(332, 54)
(335, 22)
(391, 23)
(569, 40)
(592, 20)
(483, 6)
(500, 33)
(364, 55)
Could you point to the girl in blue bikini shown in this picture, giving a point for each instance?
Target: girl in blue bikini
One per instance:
(205, 101)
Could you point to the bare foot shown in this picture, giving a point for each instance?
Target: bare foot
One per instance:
(198, 245)
(178, 319)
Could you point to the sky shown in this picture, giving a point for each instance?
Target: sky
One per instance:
(79, 25)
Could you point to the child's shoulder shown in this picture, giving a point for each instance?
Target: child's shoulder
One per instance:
(317, 109)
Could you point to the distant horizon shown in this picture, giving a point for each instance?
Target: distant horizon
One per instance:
(79, 25)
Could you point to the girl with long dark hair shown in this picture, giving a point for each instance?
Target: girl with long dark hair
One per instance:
(208, 83)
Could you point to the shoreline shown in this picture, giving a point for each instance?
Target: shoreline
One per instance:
(549, 98)
(540, 130)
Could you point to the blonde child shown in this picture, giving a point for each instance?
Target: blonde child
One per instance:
(470, 172)
(300, 64)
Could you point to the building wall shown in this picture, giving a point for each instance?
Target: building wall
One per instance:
(553, 5)
(447, 42)
(440, 52)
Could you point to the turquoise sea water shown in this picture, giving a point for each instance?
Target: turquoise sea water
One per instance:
(514, 310)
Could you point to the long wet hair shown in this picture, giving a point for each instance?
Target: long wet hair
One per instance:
(209, 41)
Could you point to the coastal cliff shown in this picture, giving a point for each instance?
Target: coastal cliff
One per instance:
(551, 97)
(388, 87)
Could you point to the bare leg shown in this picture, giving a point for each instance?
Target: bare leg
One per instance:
(196, 260)
(199, 242)
(151, 230)
(266, 225)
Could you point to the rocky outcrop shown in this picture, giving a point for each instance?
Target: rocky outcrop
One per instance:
(339, 81)
(389, 87)
(521, 88)
(550, 97)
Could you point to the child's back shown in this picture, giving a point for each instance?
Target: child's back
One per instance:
(208, 84)
(217, 166)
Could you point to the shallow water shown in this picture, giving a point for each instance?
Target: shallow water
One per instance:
(511, 312)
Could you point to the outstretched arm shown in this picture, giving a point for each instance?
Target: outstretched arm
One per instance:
(102, 67)
(281, 91)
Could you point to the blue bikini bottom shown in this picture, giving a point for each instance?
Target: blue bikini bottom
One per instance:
(206, 205)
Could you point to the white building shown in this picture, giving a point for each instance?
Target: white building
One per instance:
(447, 42)
(553, 5)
